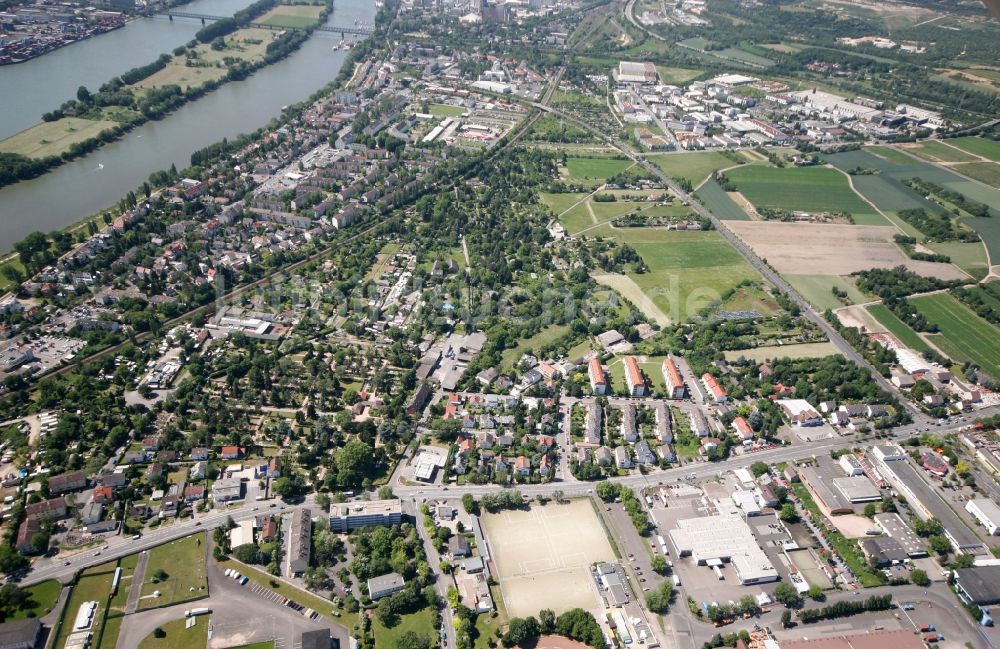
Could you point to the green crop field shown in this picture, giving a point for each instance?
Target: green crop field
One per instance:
(292, 16)
(979, 146)
(938, 152)
(970, 257)
(964, 335)
(984, 172)
(594, 170)
(809, 189)
(695, 167)
(53, 138)
(687, 270)
(184, 562)
(897, 327)
(890, 154)
(818, 290)
(719, 203)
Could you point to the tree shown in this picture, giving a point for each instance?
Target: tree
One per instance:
(12, 598)
(815, 592)
(11, 561)
(546, 620)
(159, 633)
(160, 575)
(411, 640)
(788, 513)
(759, 468)
(963, 561)
(469, 504)
(658, 564)
(83, 95)
(247, 553)
(920, 578)
(520, 629)
(870, 510)
(787, 595)
(658, 601)
(607, 491)
(940, 544)
(355, 462)
(786, 619)
(385, 493)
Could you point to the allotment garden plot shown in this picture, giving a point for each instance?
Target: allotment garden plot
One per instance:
(543, 554)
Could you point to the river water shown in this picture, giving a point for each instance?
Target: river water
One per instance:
(93, 182)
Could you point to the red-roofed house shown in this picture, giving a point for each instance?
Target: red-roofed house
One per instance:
(742, 428)
(672, 378)
(633, 378)
(714, 389)
(598, 379)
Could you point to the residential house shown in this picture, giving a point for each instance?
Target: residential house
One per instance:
(622, 458)
(67, 482)
(598, 378)
(637, 386)
(629, 428)
(673, 380)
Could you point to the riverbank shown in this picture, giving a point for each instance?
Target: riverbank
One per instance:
(152, 91)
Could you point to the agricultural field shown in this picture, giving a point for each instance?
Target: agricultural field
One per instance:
(807, 189)
(53, 138)
(970, 257)
(594, 171)
(890, 154)
(292, 16)
(818, 290)
(964, 335)
(687, 271)
(719, 203)
(183, 561)
(542, 554)
(984, 172)
(821, 249)
(979, 146)
(803, 350)
(897, 327)
(694, 167)
(936, 151)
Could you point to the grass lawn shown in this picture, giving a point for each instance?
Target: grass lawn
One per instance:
(559, 203)
(898, 328)
(53, 138)
(544, 337)
(978, 146)
(444, 110)
(677, 76)
(316, 603)
(421, 623)
(293, 16)
(594, 170)
(939, 152)
(964, 335)
(257, 645)
(970, 257)
(181, 75)
(109, 636)
(93, 585)
(687, 270)
(984, 172)
(804, 350)
(752, 298)
(652, 367)
(817, 289)
(486, 627)
(695, 167)
(177, 637)
(184, 562)
(42, 597)
(807, 189)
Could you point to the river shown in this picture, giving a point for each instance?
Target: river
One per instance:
(95, 181)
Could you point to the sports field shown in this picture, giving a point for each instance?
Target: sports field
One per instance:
(293, 16)
(695, 167)
(978, 146)
(806, 189)
(446, 110)
(897, 327)
(53, 138)
(964, 335)
(818, 289)
(543, 555)
(594, 171)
